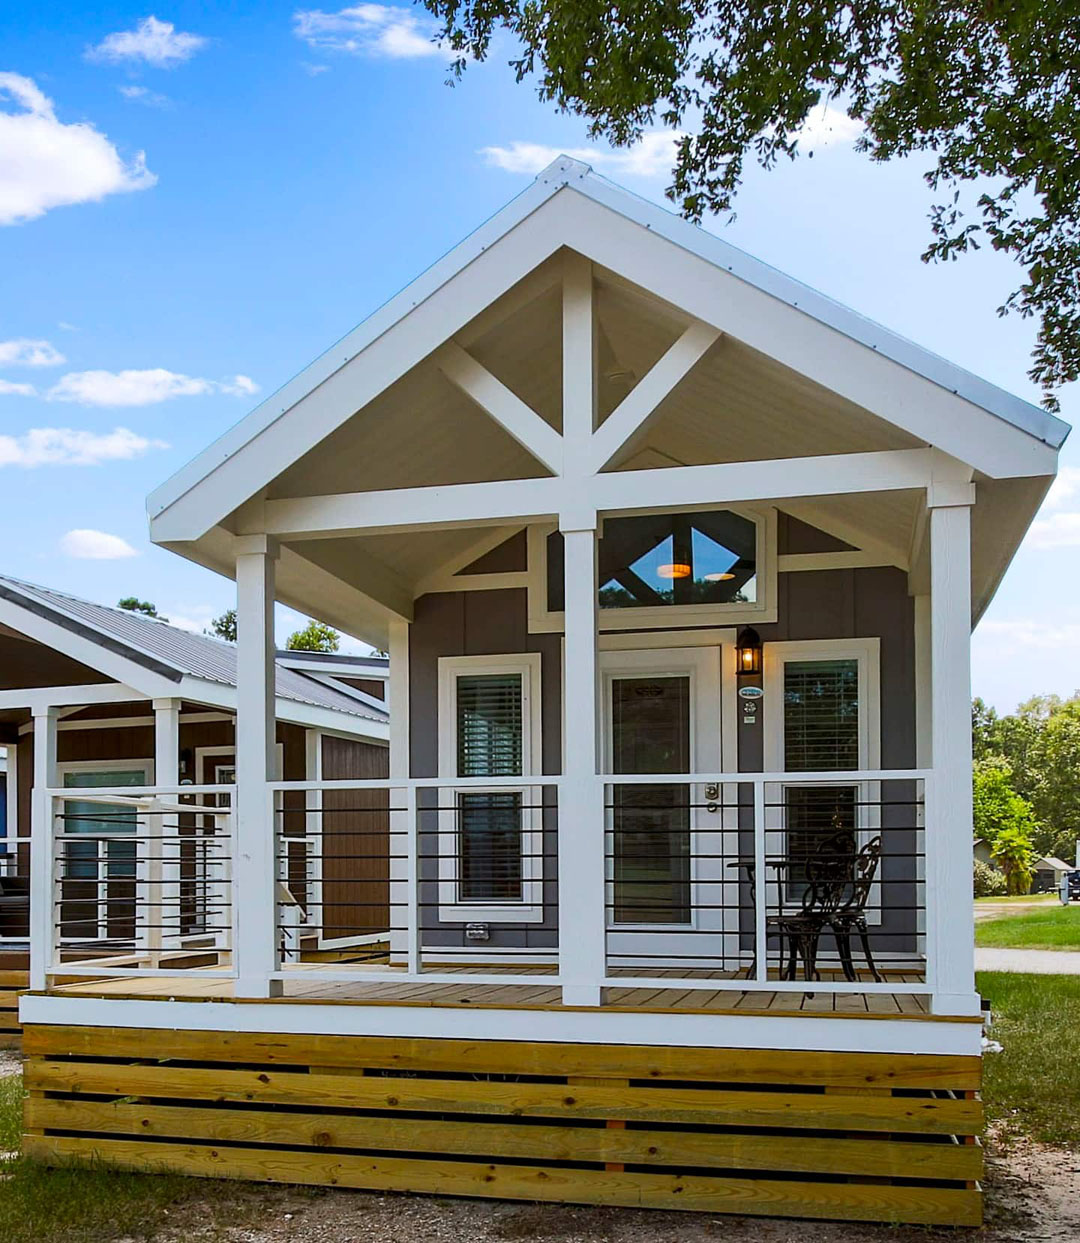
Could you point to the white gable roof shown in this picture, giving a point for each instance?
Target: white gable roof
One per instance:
(570, 175)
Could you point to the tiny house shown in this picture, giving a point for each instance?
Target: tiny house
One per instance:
(677, 563)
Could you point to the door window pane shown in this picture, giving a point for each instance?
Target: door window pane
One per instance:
(650, 720)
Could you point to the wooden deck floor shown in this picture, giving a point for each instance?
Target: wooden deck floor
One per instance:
(311, 983)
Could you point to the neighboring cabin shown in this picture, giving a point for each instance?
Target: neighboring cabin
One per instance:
(677, 563)
(128, 701)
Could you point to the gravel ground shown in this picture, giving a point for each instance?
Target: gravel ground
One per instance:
(10, 1062)
(1033, 1194)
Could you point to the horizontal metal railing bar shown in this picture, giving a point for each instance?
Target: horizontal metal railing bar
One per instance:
(393, 975)
(838, 776)
(84, 968)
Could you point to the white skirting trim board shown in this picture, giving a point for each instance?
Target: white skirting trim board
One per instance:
(582, 1026)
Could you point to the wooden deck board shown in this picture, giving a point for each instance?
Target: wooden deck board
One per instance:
(315, 984)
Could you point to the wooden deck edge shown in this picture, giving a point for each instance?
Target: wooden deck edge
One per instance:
(435, 1004)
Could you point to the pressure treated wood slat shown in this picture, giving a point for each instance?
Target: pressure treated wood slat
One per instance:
(927, 1115)
(871, 1157)
(900, 1070)
(771, 1197)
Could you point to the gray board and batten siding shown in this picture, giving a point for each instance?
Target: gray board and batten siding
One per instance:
(811, 605)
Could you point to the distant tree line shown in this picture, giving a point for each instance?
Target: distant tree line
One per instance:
(1026, 784)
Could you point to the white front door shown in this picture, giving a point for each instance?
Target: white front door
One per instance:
(665, 844)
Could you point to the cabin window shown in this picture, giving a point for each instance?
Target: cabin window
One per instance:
(490, 843)
(669, 560)
(821, 733)
(490, 732)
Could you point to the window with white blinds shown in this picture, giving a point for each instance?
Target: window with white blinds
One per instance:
(490, 740)
(821, 715)
(490, 725)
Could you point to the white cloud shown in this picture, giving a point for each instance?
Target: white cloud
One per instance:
(141, 388)
(1010, 635)
(24, 352)
(8, 388)
(829, 125)
(193, 617)
(653, 156)
(45, 163)
(369, 30)
(152, 41)
(313, 70)
(1059, 523)
(63, 446)
(90, 545)
(143, 95)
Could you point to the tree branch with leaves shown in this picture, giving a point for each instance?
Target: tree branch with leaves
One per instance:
(989, 93)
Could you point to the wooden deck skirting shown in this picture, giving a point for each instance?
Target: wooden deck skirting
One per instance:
(12, 983)
(847, 1136)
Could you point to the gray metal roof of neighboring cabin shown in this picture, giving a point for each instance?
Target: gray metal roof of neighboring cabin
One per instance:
(166, 648)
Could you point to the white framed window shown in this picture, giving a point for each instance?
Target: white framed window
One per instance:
(490, 838)
(822, 714)
(665, 569)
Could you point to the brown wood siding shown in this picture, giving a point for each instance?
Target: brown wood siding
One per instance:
(356, 841)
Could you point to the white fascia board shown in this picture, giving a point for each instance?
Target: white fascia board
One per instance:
(380, 672)
(291, 711)
(433, 320)
(1021, 415)
(480, 504)
(73, 697)
(87, 651)
(859, 370)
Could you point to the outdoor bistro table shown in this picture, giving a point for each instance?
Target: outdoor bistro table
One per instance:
(812, 923)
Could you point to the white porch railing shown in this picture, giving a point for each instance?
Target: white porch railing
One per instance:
(448, 881)
(139, 882)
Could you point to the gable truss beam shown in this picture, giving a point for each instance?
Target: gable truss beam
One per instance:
(623, 429)
(504, 406)
(525, 500)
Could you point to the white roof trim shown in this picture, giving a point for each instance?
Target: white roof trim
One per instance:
(562, 173)
(152, 685)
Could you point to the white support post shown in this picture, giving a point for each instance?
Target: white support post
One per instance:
(255, 906)
(43, 906)
(950, 918)
(404, 936)
(314, 842)
(163, 847)
(582, 872)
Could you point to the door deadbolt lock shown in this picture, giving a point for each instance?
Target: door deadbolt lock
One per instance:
(712, 795)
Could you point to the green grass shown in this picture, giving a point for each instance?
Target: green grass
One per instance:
(1032, 1088)
(1055, 928)
(1020, 897)
(70, 1204)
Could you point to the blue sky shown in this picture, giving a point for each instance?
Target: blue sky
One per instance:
(196, 200)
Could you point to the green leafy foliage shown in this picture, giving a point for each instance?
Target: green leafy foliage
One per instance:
(224, 627)
(989, 94)
(1040, 743)
(132, 604)
(1005, 821)
(315, 637)
(989, 882)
